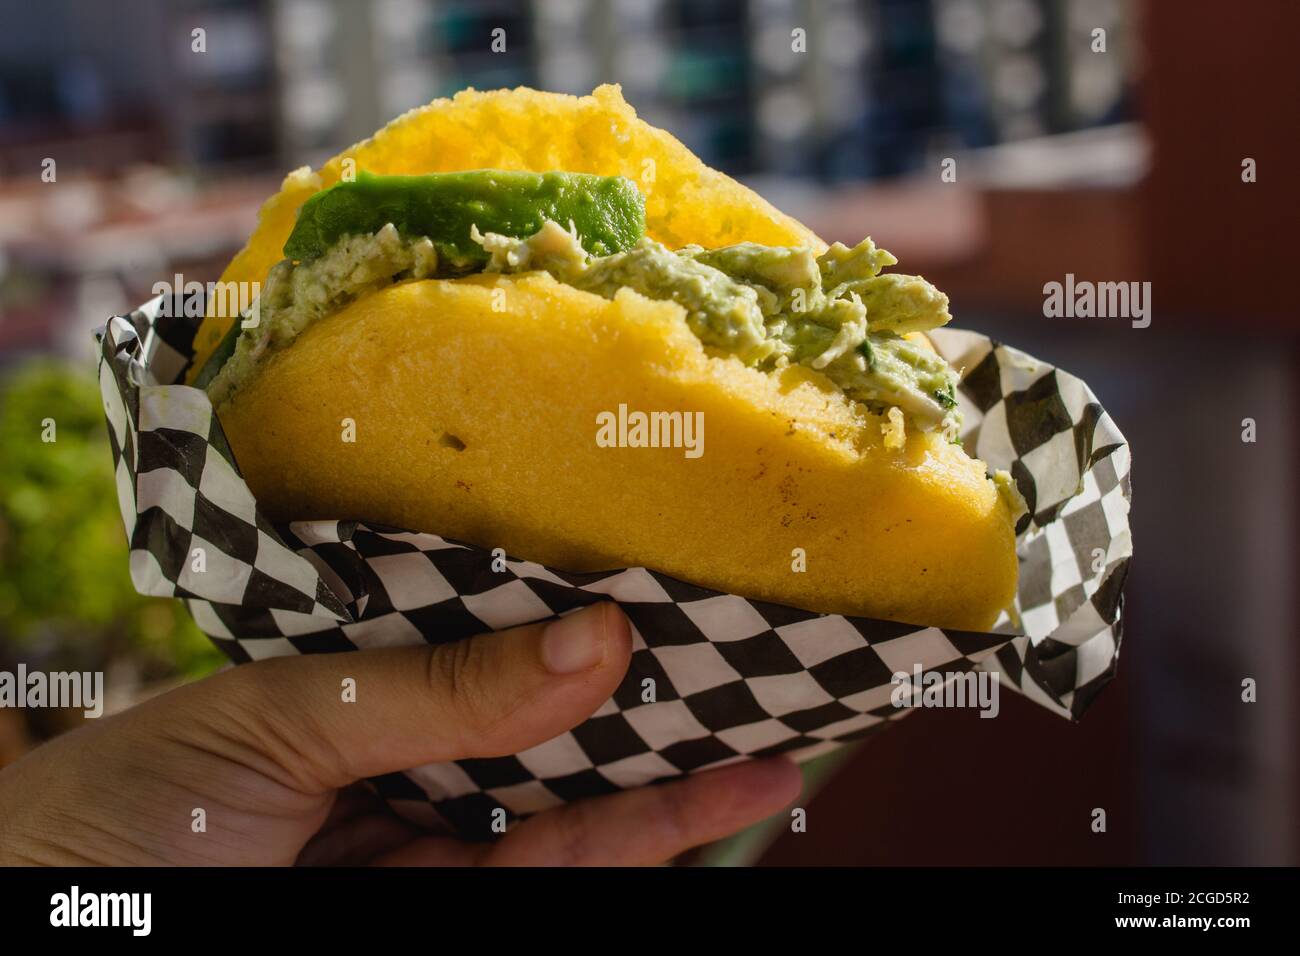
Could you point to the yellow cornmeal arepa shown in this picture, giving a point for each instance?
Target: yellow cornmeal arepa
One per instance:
(475, 415)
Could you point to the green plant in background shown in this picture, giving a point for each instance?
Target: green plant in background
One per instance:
(66, 599)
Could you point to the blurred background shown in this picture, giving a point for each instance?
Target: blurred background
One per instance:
(1116, 165)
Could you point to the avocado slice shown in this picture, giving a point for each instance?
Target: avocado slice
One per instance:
(608, 212)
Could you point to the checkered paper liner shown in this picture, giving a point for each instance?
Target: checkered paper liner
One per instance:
(733, 677)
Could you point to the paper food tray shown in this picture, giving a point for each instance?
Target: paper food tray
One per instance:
(733, 677)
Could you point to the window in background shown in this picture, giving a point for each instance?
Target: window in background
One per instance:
(823, 89)
(828, 90)
(222, 105)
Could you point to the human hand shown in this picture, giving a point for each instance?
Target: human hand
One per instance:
(272, 754)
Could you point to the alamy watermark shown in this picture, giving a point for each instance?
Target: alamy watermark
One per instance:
(637, 429)
(74, 908)
(1103, 300)
(922, 688)
(74, 690)
(194, 299)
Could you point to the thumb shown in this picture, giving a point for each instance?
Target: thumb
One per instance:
(486, 696)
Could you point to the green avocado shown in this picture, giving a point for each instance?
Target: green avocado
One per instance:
(608, 212)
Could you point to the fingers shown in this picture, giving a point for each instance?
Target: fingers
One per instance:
(359, 841)
(652, 824)
(434, 851)
(491, 695)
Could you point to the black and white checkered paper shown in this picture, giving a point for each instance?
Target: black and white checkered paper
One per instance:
(733, 677)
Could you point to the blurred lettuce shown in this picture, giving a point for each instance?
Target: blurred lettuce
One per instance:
(65, 591)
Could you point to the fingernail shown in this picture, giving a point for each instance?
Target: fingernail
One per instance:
(576, 642)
